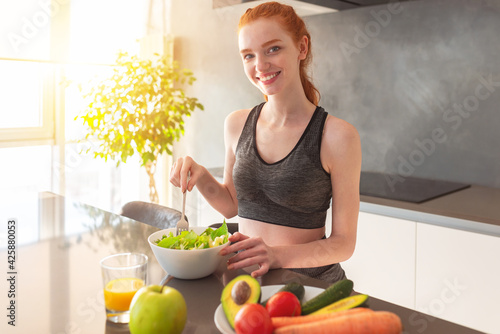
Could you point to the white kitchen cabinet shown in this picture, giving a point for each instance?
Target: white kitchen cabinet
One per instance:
(383, 264)
(458, 276)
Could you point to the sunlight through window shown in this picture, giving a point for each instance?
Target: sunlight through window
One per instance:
(21, 87)
(44, 44)
(99, 29)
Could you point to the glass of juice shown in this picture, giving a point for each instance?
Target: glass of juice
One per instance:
(123, 274)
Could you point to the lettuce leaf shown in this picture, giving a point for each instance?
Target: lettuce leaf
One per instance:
(190, 240)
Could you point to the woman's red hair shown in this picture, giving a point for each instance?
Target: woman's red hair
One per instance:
(296, 27)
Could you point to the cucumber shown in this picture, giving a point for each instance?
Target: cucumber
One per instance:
(344, 304)
(296, 288)
(333, 293)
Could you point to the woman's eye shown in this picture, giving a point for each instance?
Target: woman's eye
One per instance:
(274, 49)
(247, 57)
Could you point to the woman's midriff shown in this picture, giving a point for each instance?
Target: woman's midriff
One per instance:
(275, 235)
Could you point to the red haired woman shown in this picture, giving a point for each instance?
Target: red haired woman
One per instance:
(286, 159)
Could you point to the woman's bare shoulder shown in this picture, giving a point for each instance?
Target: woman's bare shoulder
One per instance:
(235, 121)
(338, 131)
(238, 116)
(340, 142)
(233, 126)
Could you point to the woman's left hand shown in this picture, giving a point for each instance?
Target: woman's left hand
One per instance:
(249, 252)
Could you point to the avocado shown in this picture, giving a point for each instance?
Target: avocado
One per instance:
(241, 290)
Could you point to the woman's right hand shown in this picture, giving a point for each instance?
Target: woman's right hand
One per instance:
(185, 172)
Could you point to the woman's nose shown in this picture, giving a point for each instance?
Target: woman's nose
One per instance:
(261, 63)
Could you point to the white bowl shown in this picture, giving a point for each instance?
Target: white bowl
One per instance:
(186, 264)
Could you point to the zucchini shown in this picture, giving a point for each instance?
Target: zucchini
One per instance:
(333, 293)
(296, 288)
(344, 304)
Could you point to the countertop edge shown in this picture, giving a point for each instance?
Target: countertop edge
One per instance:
(431, 218)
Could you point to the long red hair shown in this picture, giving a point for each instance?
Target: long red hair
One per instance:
(296, 27)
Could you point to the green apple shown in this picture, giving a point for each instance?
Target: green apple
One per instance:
(157, 309)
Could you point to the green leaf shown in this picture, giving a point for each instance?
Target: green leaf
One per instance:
(220, 231)
(190, 240)
(139, 108)
(169, 242)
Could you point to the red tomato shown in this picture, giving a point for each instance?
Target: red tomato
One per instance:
(283, 304)
(253, 319)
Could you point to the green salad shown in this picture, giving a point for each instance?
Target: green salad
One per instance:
(190, 240)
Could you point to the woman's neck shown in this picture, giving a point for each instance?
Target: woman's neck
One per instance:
(287, 109)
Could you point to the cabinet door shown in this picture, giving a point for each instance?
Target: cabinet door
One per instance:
(383, 264)
(458, 276)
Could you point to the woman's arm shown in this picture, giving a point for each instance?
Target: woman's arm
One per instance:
(341, 157)
(221, 196)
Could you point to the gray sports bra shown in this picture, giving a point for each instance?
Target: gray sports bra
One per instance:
(295, 191)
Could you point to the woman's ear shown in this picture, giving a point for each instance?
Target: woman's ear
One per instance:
(303, 47)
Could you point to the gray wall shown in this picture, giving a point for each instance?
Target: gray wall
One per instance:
(411, 78)
(420, 81)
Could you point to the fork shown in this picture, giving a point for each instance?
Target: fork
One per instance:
(182, 225)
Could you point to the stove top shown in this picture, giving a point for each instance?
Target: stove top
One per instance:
(408, 189)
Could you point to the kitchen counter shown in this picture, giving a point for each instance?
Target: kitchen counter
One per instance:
(425, 245)
(474, 209)
(58, 268)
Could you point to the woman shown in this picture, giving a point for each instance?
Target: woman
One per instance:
(285, 159)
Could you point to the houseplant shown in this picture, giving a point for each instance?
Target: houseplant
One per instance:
(138, 109)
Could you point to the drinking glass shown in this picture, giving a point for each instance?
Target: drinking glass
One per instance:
(123, 274)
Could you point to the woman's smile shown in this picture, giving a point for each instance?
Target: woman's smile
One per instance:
(267, 79)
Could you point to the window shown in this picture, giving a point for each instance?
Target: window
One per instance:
(27, 111)
(44, 42)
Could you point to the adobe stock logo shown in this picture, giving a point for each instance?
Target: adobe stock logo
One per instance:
(453, 116)
(30, 27)
(437, 306)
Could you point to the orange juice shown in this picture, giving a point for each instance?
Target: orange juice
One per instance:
(118, 293)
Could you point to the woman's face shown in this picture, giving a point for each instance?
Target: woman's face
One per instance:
(270, 57)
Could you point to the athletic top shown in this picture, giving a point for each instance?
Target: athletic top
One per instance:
(295, 191)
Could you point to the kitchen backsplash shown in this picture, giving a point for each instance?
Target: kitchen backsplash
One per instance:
(420, 81)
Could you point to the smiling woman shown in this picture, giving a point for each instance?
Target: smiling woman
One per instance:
(287, 160)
